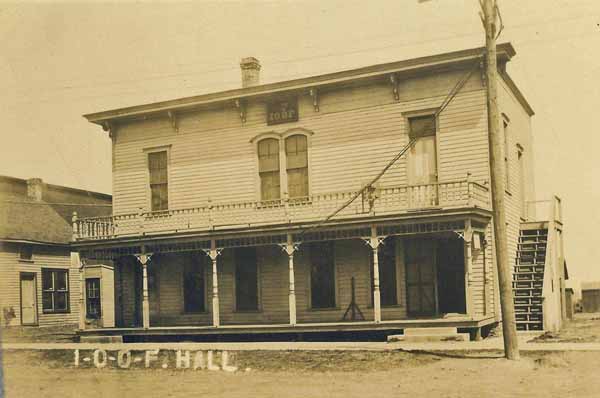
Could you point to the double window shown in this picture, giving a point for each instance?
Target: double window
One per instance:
(55, 290)
(159, 180)
(296, 167)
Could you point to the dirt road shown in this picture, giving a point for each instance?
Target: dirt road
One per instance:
(316, 374)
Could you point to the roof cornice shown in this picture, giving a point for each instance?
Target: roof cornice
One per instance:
(505, 52)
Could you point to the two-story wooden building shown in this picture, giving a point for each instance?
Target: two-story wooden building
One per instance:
(251, 210)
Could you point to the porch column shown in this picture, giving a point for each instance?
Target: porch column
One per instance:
(468, 254)
(374, 241)
(143, 259)
(82, 309)
(213, 253)
(290, 248)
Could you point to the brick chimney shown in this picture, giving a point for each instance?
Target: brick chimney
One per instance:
(35, 189)
(250, 71)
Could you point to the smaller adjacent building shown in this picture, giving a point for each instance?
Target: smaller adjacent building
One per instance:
(40, 283)
(590, 296)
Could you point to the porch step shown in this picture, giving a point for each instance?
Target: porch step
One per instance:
(428, 335)
(101, 339)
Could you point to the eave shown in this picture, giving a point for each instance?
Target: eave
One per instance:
(449, 60)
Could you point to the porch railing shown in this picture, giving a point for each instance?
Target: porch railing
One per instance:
(381, 201)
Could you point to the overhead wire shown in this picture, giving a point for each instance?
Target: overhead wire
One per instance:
(453, 92)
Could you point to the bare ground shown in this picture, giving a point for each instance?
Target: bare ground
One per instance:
(34, 334)
(315, 374)
(585, 328)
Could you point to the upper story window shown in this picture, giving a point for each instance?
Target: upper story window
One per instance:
(422, 157)
(26, 252)
(159, 180)
(296, 154)
(268, 169)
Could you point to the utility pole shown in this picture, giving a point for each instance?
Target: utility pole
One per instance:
(509, 327)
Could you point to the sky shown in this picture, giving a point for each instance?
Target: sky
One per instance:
(60, 60)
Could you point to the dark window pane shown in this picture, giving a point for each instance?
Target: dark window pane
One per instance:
(26, 252)
(60, 280)
(322, 275)
(60, 301)
(47, 281)
(194, 286)
(93, 303)
(47, 303)
(421, 126)
(246, 279)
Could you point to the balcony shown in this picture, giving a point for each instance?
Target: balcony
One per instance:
(221, 216)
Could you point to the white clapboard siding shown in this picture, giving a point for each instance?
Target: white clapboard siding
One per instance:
(43, 257)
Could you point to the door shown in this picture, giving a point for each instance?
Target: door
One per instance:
(28, 299)
(422, 162)
(451, 276)
(421, 279)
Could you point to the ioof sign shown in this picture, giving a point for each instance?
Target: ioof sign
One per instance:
(282, 111)
(178, 359)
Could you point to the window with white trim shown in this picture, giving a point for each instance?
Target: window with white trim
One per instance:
(268, 169)
(159, 180)
(296, 156)
(55, 290)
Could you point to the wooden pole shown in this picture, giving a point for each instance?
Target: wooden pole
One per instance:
(511, 348)
(82, 309)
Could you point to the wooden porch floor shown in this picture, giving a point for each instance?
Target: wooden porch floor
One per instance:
(357, 326)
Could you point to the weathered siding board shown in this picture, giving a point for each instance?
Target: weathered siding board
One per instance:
(43, 257)
(357, 131)
(519, 133)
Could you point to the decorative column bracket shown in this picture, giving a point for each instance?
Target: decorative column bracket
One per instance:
(314, 93)
(174, 121)
(110, 127)
(240, 104)
(374, 242)
(395, 83)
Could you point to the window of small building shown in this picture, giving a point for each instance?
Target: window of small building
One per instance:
(387, 273)
(26, 252)
(92, 296)
(194, 285)
(246, 279)
(55, 290)
(322, 275)
(296, 152)
(268, 169)
(159, 182)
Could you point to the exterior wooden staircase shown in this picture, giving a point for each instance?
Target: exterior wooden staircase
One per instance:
(528, 277)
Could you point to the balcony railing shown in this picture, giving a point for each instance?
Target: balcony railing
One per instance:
(211, 216)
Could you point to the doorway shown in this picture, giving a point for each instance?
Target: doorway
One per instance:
(421, 284)
(28, 298)
(451, 276)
